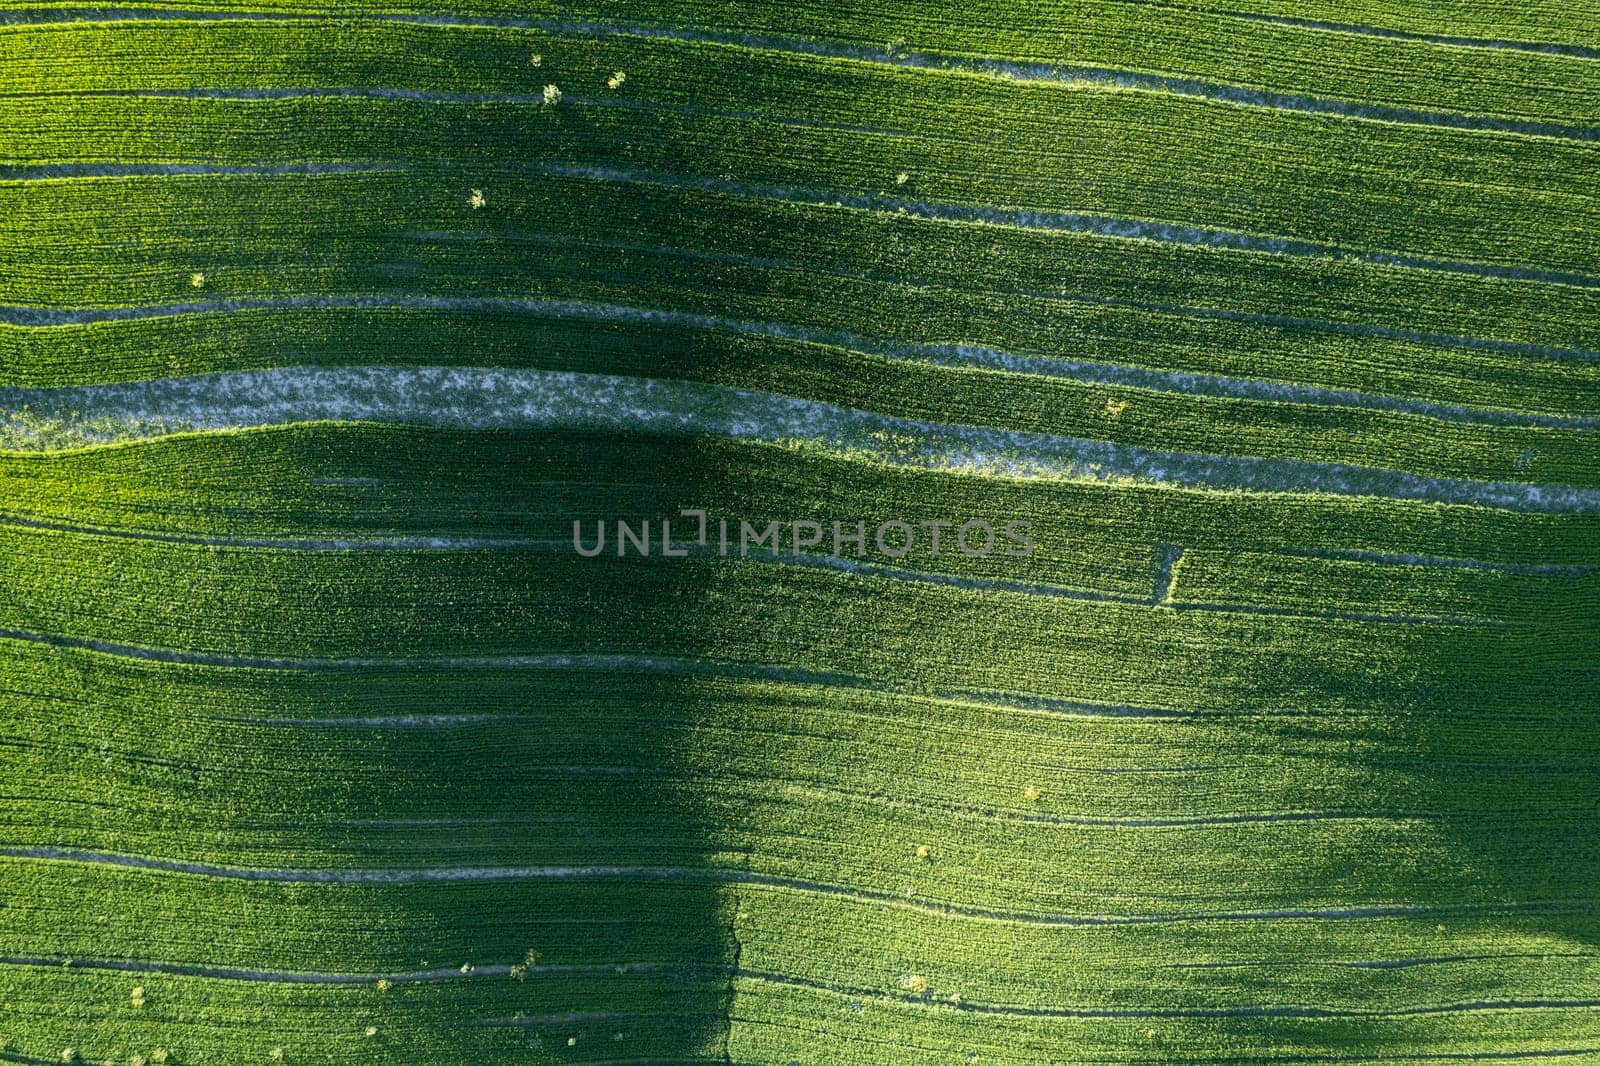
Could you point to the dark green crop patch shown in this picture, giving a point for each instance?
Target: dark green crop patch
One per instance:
(1274, 326)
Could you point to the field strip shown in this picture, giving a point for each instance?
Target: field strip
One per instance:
(1381, 964)
(386, 721)
(1110, 570)
(795, 1032)
(274, 976)
(1576, 51)
(983, 354)
(713, 875)
(1039, 218)
(1011, 70)
(254, 662)
(1239, 585)
(1128, 822)
(1161, 595)
(1214, 285)
(944, 355)
(1262, 1011)
(71, 171)
(650, 664)
(1024, 702)
(594, 1018)
(1487, 219)
(575, 1016)
(458, 543)
(822, 240)
(473, 972)
(54, 420)
(1386, 559)
(32, 319)
(1224, 353)
(981, 351)
(66, 14)
(691, 550)
(302, 977)
(1119, 227)
(440, 543)
(442, 97)
(379, 479)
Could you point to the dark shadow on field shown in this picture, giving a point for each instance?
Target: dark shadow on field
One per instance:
(497, 735)
(1504, 737)
(1493, 731)
(544, 729)
(1482, 741)
(583, 769)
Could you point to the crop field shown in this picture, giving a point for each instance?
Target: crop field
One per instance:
(1262, 336)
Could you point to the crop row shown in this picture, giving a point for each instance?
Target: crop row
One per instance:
(258, 603)
(92, 1015)
(779, 1023)
(495, 597)
(227, 746)
(356, 481)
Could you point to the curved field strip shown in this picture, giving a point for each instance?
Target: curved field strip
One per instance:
(870, 238)
(1054, 160)
(226, 337)
(1544, 26)
(329, 338)
(1189, 287)
(1019, 444)
(1264, 64)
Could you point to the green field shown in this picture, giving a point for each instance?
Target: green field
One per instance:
(321, 324)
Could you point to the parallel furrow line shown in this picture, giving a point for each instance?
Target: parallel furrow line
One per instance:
(723, 875)
(1248, 1011)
